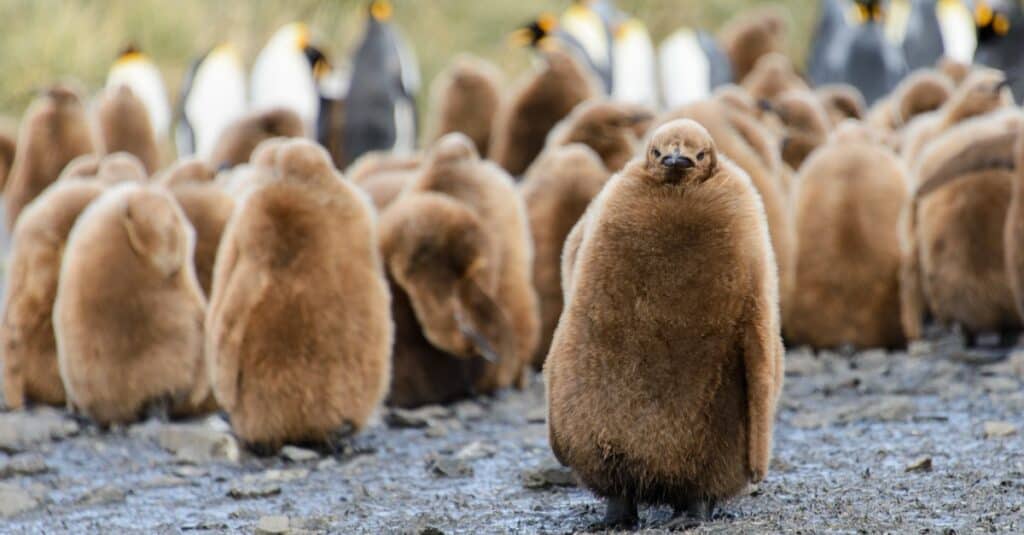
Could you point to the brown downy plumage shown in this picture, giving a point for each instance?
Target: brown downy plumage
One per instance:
(612, 129)
(954, 267)
(383, 176)
(1013, 234)
(667, 364)
(534, 107)
(207, 207)
(128, 316)
(846, 283)
(454, 169)
(26, 335)
(841, 101)
(955, 70)
(8, 144)
(750, 36)
(921, 92)
(443, 265)
(984, 91)
(238, 140)
(806, 125)
(557, 189)
(466, 97)
(53, 132)
(770, 183)
(298, 343)
(772, 76)
(124, 126)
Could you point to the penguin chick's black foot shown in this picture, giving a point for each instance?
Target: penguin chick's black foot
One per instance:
(337, 441)
(159, 409)
(619, 513)
(696, 512)
(262, 449)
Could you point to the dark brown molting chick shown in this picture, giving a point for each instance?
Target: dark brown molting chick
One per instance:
(466, 97)
(609, 128)
(238, 140)
(124, 126)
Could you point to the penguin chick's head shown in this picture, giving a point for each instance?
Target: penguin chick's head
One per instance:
(536, 33)
(121, 167)
(453, 147)
(984, 90)
(681, 151)
(303, 160)
(867, 11)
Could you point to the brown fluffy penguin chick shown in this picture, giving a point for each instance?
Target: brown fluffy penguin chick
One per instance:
(955, 259)
(805, 125)
(770, 183)
(443, 265)
(455, 169)
(8, 142)
(984, 91)
(383, 176)
(299, 330)
(237, 142)
(772, 76)
(847, 209)
(666, 366)
(921, 92)
(841, 101)
(26, 335)
(534, 107)
(54, 131)
(466, 97)
(738, 99)
(609, 128)
(750, 36)
(557, 189)
(128, 316)
(1014, 232)
(207, 207)
(124, 126)
(955, 70)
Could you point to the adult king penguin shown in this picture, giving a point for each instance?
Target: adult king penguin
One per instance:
(866, 59)
(380, 107)
(827, 34)
(588, 23)
(212, 97)
(691, 64)
(1000, 32)
(137, 71)
(282, 76)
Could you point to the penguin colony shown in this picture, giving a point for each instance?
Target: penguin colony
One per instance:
(644, 224)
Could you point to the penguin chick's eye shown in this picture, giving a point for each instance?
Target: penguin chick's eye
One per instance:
(656, 153)
(700, 156)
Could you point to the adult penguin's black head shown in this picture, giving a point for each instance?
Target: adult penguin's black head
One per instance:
(535, 33)
(991, 22)
(317, 61)
(869, 11)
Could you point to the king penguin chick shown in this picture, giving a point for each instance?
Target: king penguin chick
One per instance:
(212, 97)
(8, 144)
(557, 189)
(540, 101)
(984, 91)
(750, 36)
(238, 140)
(137, 71)
(383, 175)
(841, 101)
(954, 270)
(206, 206)
(282, 77)
(663, 375)
(922, 92)
(466, 97)
(455, 169)
(846, 283)
(806, 125)
(310, 335)
(1013, 234)
(53, 132)
(125, 126)
(130, 339)
(443, 266)
(771, 76)
(612, 129)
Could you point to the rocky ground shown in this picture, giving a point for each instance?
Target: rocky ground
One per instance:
(874, 443)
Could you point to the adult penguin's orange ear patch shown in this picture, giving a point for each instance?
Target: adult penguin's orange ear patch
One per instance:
(481, 321)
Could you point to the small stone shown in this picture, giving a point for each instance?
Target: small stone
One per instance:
(296, 454)
(475, 450)
(190, 471)
(436, 430)
(23, 465)
(15, 500)
(468, 411)
(285, 475)
(449, 467)
(270, 525)
(999, 429)
(327, 464)
(537, 415)
(191, 443)
(160, 482)
(550, 474)
(416, 418)
(246, 491)
(21, 430)
(102, 495)
(920, 464)
(216, 422)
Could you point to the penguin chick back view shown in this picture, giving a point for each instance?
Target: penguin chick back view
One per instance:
(533, 109)
(124, 126)
(466, 97)
(612, 129)
(666, 366)
(129, 312)
(238, 140)
(299, 328)
(54, 131)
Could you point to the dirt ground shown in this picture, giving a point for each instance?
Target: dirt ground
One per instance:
(874, 443)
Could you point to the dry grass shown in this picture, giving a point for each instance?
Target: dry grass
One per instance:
(46, 40)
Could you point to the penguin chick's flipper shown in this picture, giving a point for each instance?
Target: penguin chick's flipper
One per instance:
(482, 322)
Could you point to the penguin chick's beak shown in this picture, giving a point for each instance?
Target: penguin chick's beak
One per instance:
(676, 161)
